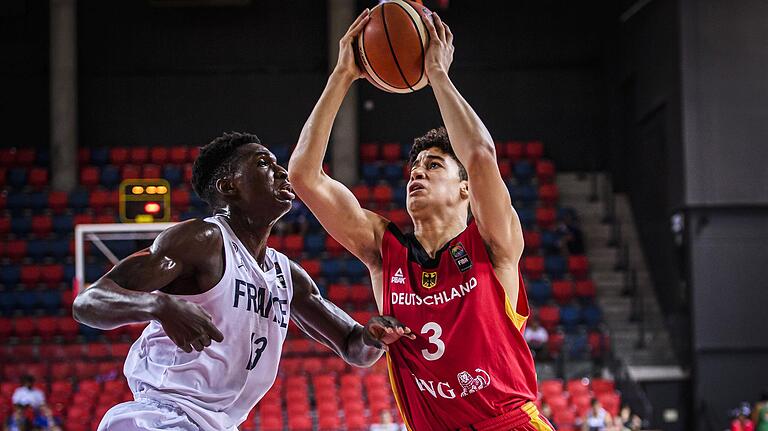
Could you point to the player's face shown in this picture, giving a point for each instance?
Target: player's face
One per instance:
(262, 183)
(435, 182)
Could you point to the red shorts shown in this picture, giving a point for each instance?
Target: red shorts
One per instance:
(525, 418)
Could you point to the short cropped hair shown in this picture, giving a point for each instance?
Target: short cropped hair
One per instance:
(215, 161)
(435, 138)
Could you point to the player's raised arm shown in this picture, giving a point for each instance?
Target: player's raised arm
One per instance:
(491, 205)
(358, 230)
(127, 293)
(328, 324)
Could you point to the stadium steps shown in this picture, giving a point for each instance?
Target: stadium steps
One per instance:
(616, 305)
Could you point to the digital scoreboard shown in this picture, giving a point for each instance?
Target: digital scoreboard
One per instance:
(145, 201)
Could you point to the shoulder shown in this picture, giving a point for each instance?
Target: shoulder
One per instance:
(190, 240)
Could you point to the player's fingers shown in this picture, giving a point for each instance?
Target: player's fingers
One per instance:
(213, 332)
(205, 340)
(448, 34)
(428, 22)
(354, 31)
(364, 14)
(439, 27)
(197, 345)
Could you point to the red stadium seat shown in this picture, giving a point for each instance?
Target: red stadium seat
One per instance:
(598, 345)
(548, 194)
(534, 150)
(382, 194)
(505, 168)
(16, 249)
(100, 199)
(180, 199)
(312, 266)
(38, 177)
(179, 155)
(24, 327)
(98, 351)
(83, 156)
(578, 266)
(339, 293)
(390, 152)
(30, 274)
(6, 328)
(193, 153)
(67, 297)
(118, 156)
(585, 289)
(332, 246)
(581, 403)
(5, 224)
(577, 387)
(47, 326)
(89, 176)
(551, 387)
(8, 156)
(532, 241)
(369, 152)
(68, 327)
(3, 174)
(130, 172)
(564, 417)
(361, 294)
(545, 171)
(562, 291)
(151, 171)
(57, 201)
(610, 402)
(533, 266)
(42, 224)
(400, 218)
(25, 157)
(545, 217)
(275, 242)
(549, 316)
(293, 245)
(158, 155)
(362, 193)
(513, 150)
(188, 173)
(84, 218)
(603, 386)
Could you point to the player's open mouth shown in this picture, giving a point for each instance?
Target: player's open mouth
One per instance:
(415, 187)
(286, 192)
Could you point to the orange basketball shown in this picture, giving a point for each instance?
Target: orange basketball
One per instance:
(390, 49)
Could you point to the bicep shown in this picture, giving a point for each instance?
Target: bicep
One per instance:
(320, 319)
(146, 271)
(496, 219)
(341, 215)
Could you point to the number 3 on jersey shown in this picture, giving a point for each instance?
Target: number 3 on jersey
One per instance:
(436, 331)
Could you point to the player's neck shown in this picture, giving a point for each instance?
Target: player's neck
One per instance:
(434, 232)
(252, 232)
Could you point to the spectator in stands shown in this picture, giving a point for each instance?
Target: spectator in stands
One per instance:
(536, 337)
(27, 395)
(17, 421)
(760, 412)
(598, 419)
(622, 421)
(386, 423)
(571, 233)
(742, 422)
(46, 421)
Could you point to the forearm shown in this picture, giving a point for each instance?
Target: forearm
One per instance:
(307, 158)
(106, 305)
(468, 134)
(357, 352)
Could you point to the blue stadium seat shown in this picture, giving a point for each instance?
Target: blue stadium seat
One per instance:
(570, 316)
(122, 248)
(37, 249)
(43, 157)
(7, 302)
(523, 171)
(314, 243)
(58, 248)
(110, 176)
(405, 150)
(78, 199)
(282, 154)
(50, 300)
(313, 224)
(173, 174)
(186, 215)
(331, 269)
(28, 300)
(400, 194)
(527, 194)
(38, 201)
(99, 156)
(9, 275)
(371, 172)
(17, 177)
(196, 202)
(16, 201)
(90, 334)
(392, 172)
(555, 266)
(93, 271)
(21, 225)
(563, 211)
(69, 272)
(539, 291)
(527, 216)
(63, 223)
(550, 241)
(356, 269)
(577, 345)
(592, 314)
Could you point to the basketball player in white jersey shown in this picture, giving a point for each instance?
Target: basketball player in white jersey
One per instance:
(215, 280)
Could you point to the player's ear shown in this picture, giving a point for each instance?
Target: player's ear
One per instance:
(226, 186)
(464, 189)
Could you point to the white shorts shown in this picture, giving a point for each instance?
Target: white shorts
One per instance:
(146, 415)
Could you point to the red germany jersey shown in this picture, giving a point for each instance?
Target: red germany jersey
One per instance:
(469, 362)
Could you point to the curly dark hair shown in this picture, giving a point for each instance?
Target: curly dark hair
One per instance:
(216, 160)
(435, 138)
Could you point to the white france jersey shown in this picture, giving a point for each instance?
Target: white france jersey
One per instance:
(219, 386)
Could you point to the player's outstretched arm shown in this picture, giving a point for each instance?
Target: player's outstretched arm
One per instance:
(491, 205)
(357, 229)
(128, 293)
(322, 320)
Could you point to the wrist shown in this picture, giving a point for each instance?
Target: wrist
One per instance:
(368, 339)
(157, 305)
(344, 77)
(439, 77)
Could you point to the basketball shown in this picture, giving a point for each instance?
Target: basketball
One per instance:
(390, 49)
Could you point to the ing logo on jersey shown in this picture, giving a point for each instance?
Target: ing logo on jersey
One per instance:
(398, 278)
(428, 279)
(471, 384)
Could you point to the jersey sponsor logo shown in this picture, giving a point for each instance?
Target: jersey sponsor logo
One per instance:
(428, 279)
(460, 256)
(404, 298)
(398, 278)
(468, 384)
(236, 250)
(471, 384)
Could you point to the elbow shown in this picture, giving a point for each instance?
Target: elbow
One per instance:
(80, 309)
(481, 157)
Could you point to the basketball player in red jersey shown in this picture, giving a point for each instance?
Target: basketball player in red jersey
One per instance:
(456, 284)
